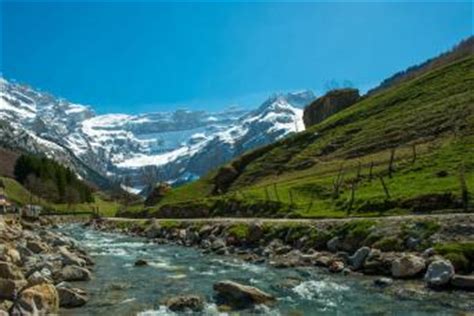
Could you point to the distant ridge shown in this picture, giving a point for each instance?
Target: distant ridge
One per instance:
(461, 50)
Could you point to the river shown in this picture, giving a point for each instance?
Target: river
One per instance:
(120, 288)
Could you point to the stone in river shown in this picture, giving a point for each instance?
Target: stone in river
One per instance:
(74, 273)
(241, 296)
(183, 303)
(141, 262)
(71, 297)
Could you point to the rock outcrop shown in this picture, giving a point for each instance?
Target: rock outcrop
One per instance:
(329, 104)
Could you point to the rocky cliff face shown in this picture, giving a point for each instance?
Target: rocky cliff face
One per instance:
(329, 104)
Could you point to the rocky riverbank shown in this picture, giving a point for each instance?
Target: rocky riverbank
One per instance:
(439, 251)
(36, 265)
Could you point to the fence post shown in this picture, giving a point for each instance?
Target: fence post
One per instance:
(413, 148)
(276, 191)
(387, 194)
(370, 170)
(464, 189)
(390, 164)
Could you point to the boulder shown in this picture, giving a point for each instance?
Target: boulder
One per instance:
(240, 296)
(333, 244)
(329, 104)
(336, 266)
(412, 242)
(38, 277)
(407, 266)
(10, 271)
(40, 299)
(255, 232)
(36, 246)
(358, 258)
(154, 230)
(10, 288)
(4, 307)
(439, 273)
(68, 258)
(224, 178)
(74, 273)
(141, 263)
(12, 280)
(464, 282)
(383, 282)
(185, 303)
(71, 297)
(205, 231)
(217, 244)
(10, 255)
(157, 194)
(322, 261)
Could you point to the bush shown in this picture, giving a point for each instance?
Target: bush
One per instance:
(389, 244)
(457, 250)
(459, 261)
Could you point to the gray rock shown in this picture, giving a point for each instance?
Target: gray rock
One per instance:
(10, 271)
(74, 273)
(336, 266)
(334, 244)
(439, 273)
(217, 244)
(185, 303)
(141, 263)
(412, 242)
(71, 297)
(205, 231)
(10, 288)
(429, 252)
(255, 232)
(38, 277)
(68, 258)
(358, 258)
(154, 230)
(241, 296)
(464, 282)
(383, 282)
(36, 246)
(407, 266)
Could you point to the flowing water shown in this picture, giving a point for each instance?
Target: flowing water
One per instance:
(120, 288)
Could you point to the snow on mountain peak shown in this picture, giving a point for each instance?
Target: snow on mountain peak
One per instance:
(185, 144)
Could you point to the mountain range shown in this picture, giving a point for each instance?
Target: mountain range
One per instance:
(180, 146)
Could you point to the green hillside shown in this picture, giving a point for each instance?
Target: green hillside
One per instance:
(427, 124)
(20, 196)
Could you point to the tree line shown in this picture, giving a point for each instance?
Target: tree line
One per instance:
(51, 181)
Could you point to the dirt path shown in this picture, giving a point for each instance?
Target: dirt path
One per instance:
(468, 216)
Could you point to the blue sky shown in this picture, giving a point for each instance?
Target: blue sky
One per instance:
(140, 57)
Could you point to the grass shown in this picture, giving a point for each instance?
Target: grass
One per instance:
(433, 111)
(19, 195)
(240, 231)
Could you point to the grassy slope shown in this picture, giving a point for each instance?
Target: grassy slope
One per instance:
(18, 194)
(434, 111)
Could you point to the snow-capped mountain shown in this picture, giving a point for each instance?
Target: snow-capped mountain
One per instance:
(183, 145)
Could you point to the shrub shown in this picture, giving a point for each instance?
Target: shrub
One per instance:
(459, 261)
